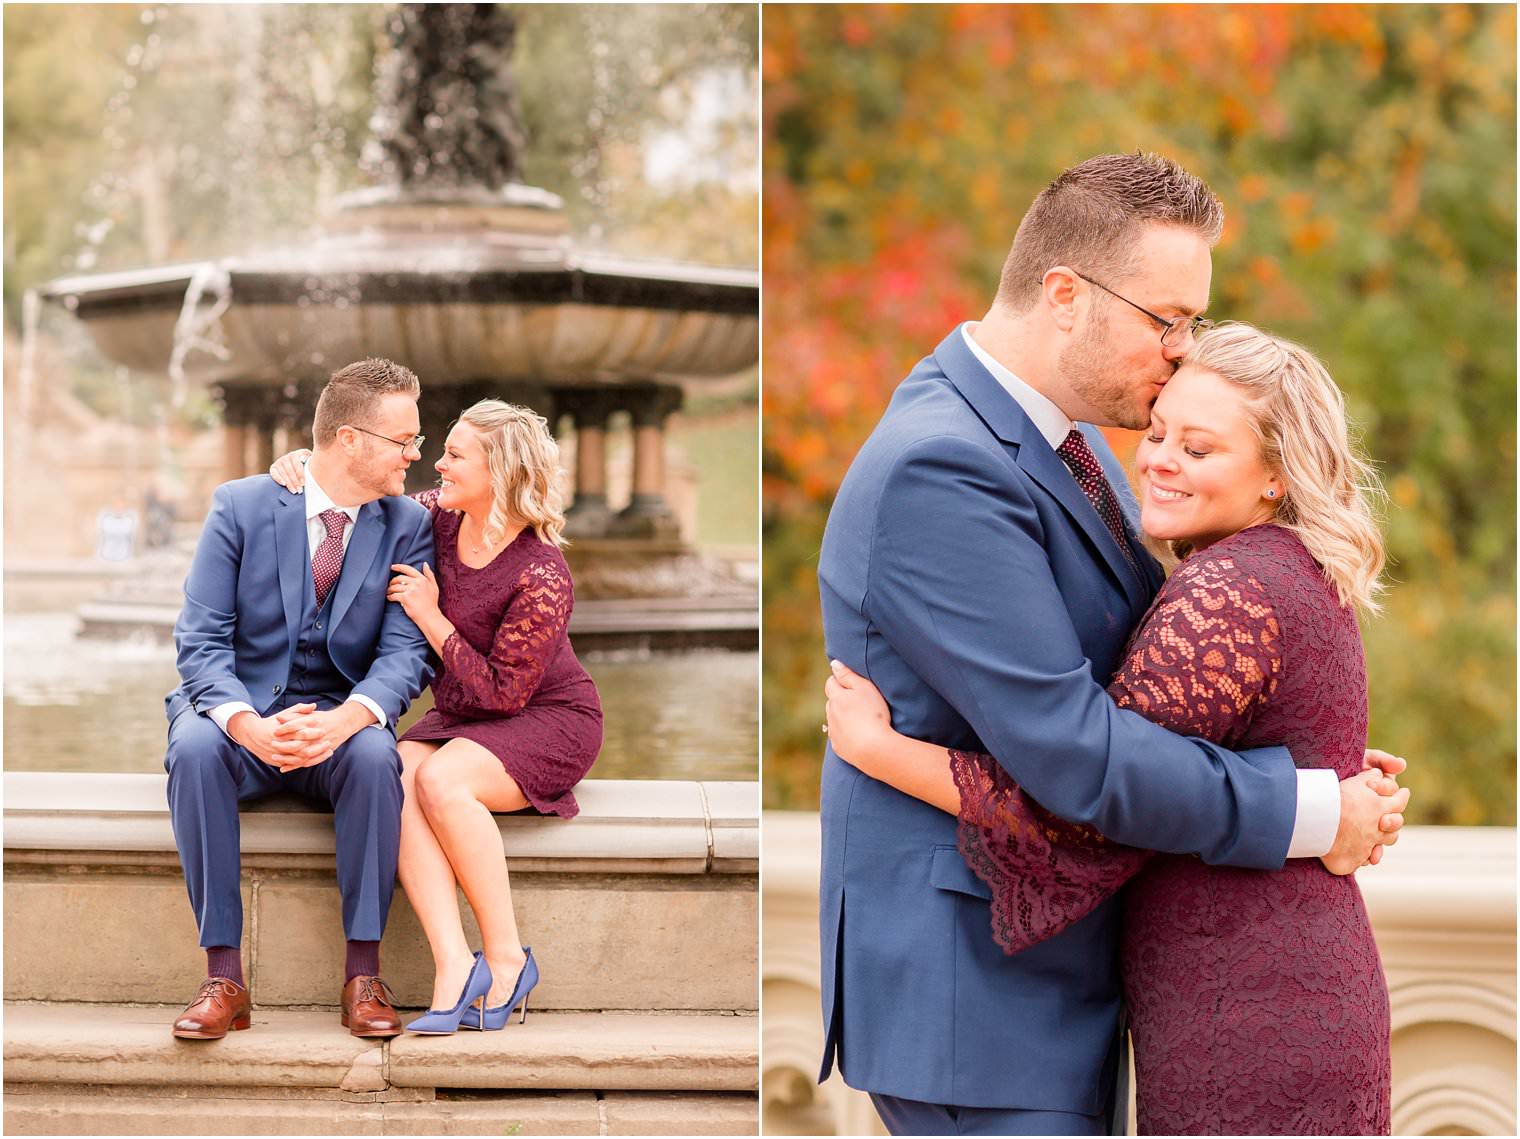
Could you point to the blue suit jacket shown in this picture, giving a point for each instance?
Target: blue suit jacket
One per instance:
(249, 584)
(963, 571)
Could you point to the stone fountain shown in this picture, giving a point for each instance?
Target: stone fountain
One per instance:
(457, 269)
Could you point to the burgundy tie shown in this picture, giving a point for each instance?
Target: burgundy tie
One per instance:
(1077, 455)
(327, 563)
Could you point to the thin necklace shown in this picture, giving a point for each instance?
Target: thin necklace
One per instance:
(482, 545)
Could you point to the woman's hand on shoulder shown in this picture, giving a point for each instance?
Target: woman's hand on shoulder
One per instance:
(416, 592)
(289, 470)
(859, 723)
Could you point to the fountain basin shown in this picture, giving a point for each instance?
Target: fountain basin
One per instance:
(458, 310)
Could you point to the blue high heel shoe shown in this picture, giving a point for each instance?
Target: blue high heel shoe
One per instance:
(491, 1019)
(436, 1022)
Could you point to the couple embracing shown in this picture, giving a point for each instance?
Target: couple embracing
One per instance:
(1062, 786)
(313, 616)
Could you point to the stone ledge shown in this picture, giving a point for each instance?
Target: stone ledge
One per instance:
(118, 1044)
(604, 941)
(1442, 903)
(1447, 878)
(578, 1050)
(625, 825)
(1452, 879)
(60, 1044)
(128, 1111)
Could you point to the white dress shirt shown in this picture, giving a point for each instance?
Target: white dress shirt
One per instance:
(1318, 815)
(317, 500)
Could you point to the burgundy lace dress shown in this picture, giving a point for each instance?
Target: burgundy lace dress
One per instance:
(508, 678)
(1256, 999)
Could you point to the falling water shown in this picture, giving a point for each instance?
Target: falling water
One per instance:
(199, 330)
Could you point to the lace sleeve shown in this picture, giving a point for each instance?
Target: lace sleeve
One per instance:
(1044, 872)
(530, 633)
(1207, 656)
(1202, 663)
(429, 498)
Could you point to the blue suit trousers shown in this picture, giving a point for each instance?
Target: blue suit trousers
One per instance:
(209, 775)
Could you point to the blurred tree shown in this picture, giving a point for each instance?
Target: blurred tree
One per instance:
(136, 135)
(643, 118)
(1366, 158)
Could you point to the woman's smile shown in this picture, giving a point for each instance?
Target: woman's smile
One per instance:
(1202, 475)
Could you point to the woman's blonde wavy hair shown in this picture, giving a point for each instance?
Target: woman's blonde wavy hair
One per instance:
(1299, 415)
(523, 459)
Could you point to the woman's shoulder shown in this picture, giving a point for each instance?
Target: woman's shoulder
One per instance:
(531, 554)
(429, 500)
(1268, 563)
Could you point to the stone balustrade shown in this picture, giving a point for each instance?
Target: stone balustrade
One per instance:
(1443, 909)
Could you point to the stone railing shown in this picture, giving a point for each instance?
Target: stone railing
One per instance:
(643, 912)
(1443, 909)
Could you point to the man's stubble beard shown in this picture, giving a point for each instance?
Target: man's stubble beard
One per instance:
(1087, 367)
(374, 475)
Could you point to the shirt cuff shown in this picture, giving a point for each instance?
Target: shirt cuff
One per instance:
(223, 713)
(380, 722)
(1319, 813)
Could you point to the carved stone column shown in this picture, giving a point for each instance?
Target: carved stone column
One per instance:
(647, 514)
(234, 451)
(588, 409)
(237, 419)
(266, 420)
(302, 410)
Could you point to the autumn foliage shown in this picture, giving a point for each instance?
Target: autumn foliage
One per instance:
(1366, 158)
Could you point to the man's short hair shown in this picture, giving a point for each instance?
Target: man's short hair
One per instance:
(353, 396)
(1089, 218)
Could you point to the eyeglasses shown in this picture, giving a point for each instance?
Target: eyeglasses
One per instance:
(1171, 330)
(413, 444)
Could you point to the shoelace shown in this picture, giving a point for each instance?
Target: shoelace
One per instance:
(384, 996)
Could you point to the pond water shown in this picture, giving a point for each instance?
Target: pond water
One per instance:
(88, 705)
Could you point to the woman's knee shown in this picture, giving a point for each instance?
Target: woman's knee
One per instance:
(438, 785)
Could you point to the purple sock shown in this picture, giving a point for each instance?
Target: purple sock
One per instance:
(225, 961)
(361, 960)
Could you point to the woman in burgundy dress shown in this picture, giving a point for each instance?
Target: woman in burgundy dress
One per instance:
(1257, 1001)
(516, 721)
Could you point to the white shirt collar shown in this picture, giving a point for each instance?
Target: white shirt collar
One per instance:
(318, 500)
(1051, 421)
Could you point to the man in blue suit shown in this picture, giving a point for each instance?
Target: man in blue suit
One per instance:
(294, 670)
(988, 596)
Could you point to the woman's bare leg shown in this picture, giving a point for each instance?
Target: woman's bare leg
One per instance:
(457, 789)
(428, 880)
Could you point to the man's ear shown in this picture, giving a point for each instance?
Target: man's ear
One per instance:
(1060, 292)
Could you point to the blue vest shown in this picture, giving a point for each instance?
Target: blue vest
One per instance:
(312, 671)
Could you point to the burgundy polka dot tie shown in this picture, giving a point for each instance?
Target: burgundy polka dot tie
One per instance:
(327, 563)
(1077, 455)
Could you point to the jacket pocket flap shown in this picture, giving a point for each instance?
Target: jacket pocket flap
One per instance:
(950, 872)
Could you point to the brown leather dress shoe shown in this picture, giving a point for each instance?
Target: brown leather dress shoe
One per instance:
(219, 1006)
(367, 1008)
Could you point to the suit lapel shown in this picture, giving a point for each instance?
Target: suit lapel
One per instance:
(293, 556)
(1034, 455)
(1119, 480)
(369, 529)
(1140, 573)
